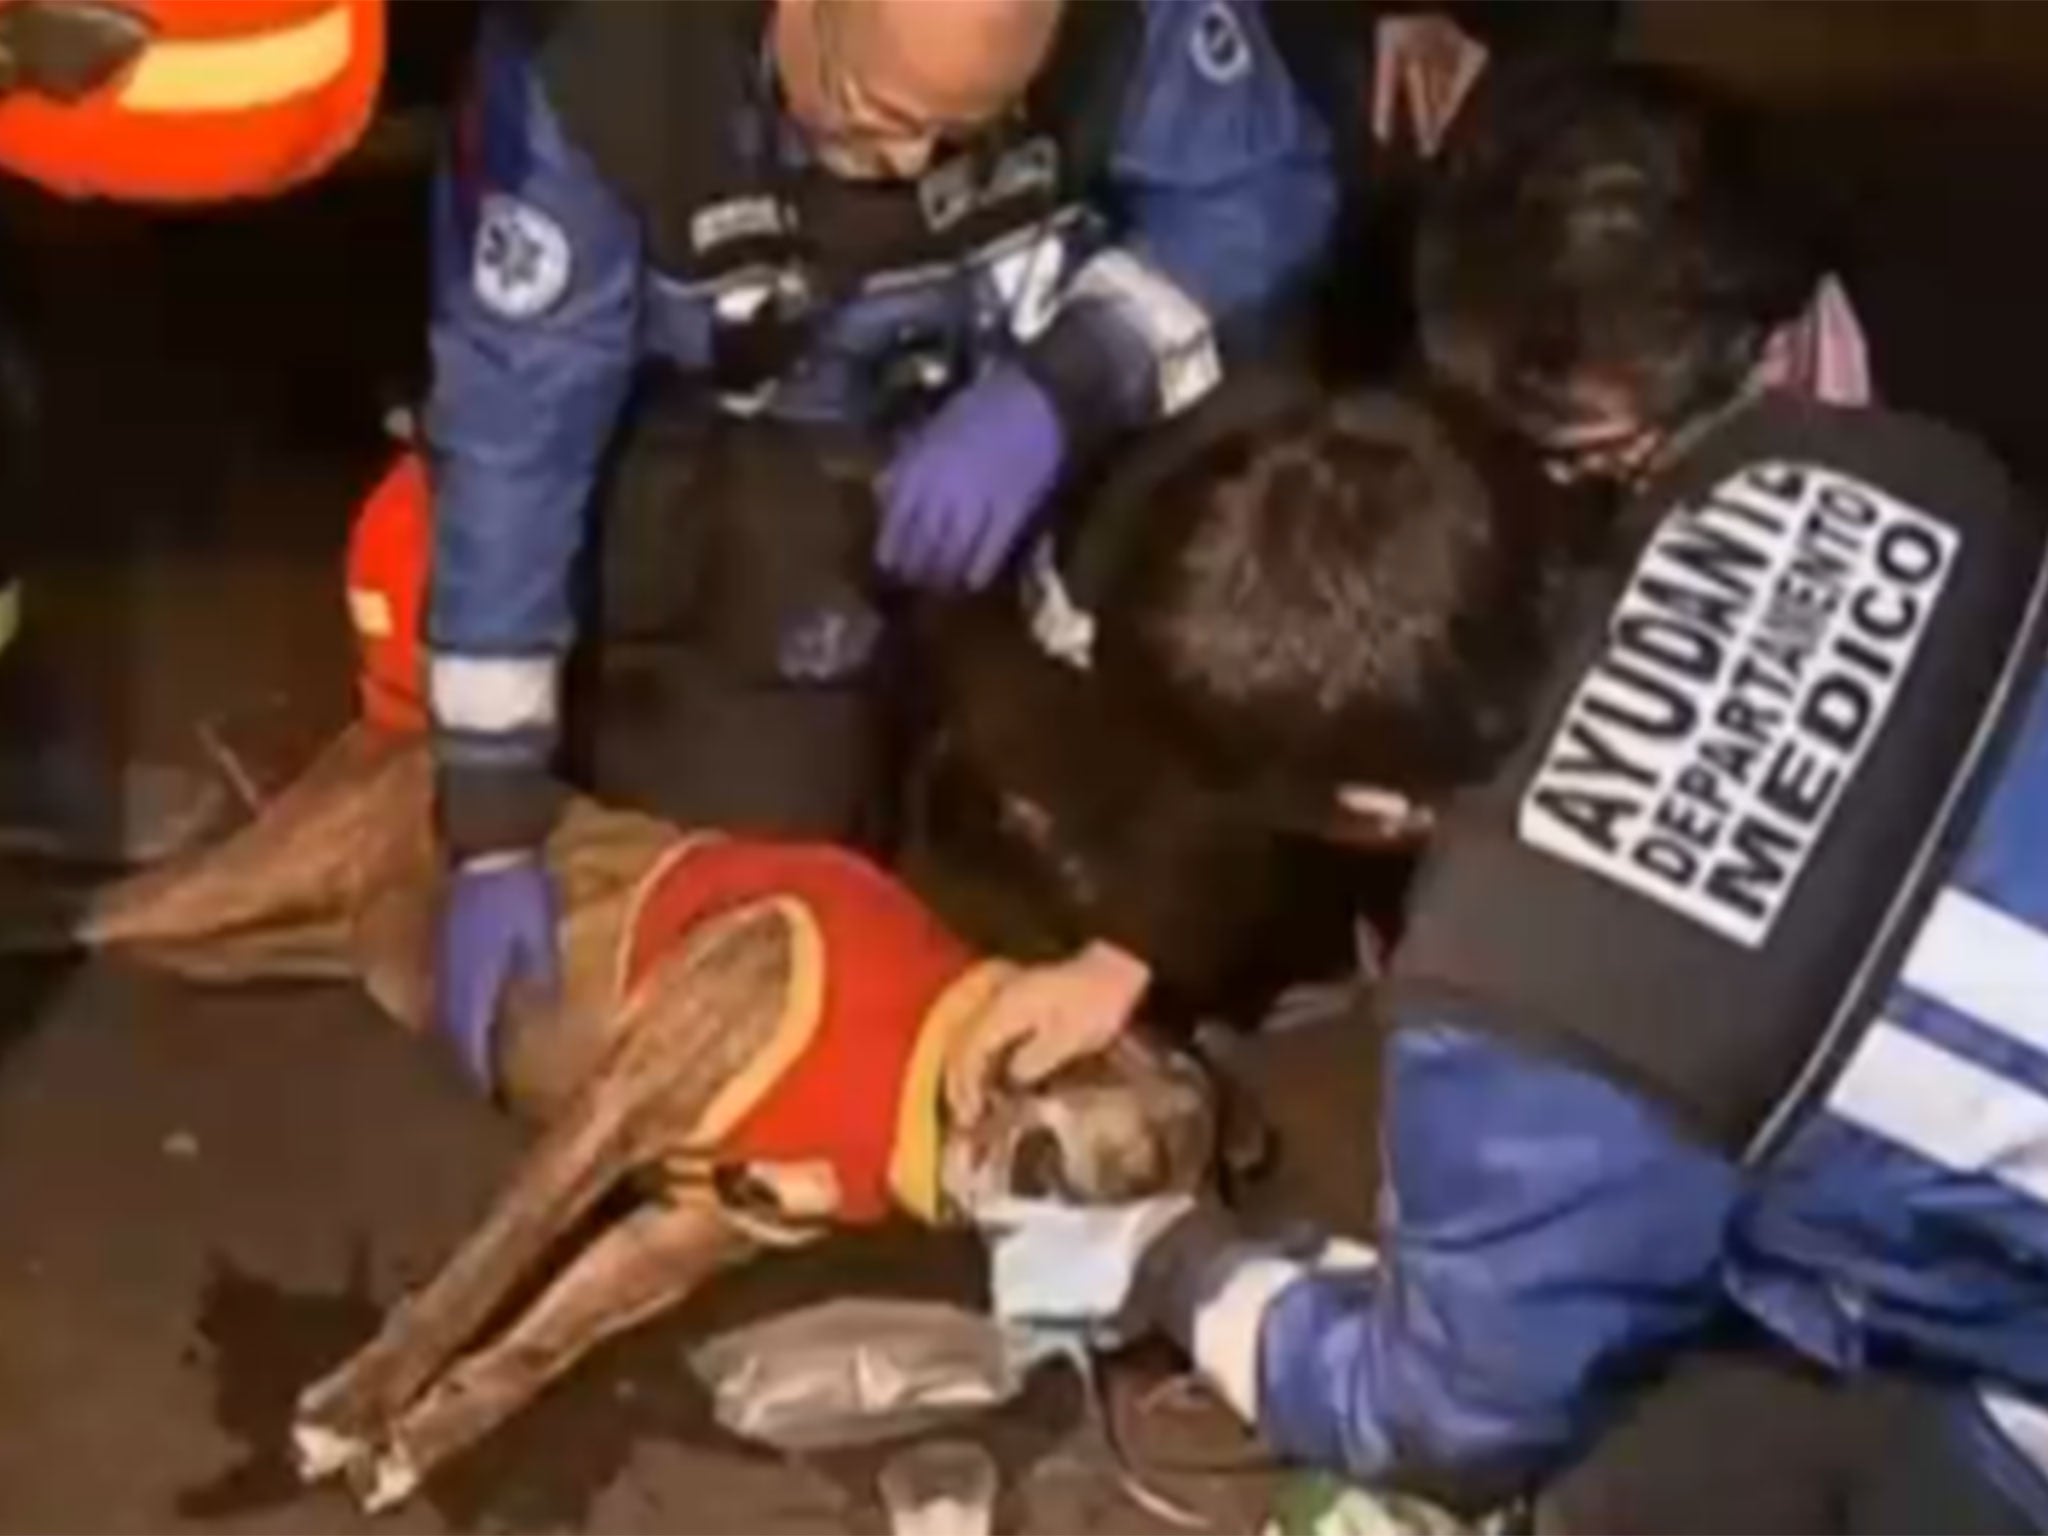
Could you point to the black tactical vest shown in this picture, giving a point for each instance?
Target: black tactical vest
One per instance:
(1766, 738)
(674, 105)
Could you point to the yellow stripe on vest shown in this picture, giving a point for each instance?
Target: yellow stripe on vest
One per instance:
(803, 1011)
(663, 866)
(371, 612)
(914, 1164)
(237, 74)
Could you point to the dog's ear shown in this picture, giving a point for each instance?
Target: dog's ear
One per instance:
(1244, 1143)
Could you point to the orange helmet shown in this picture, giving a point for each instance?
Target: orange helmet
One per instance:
(388, 553)
(177, 101)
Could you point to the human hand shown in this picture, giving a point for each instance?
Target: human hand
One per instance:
(1047, 1016)
(1424, 66)
(961, 491)
(497, 927)
(1822, 354)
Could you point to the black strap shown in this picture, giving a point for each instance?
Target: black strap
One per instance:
(648, 91)
(1081, 89)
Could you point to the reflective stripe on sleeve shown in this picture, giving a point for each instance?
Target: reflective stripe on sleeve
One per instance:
(494, 695)
(1228, 1325)
(1174, 328)
(1985, 963)
(1941, 1106)
(2023, 1424)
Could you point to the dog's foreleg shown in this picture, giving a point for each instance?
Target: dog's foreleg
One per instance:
(707, 1009)
(340, 1417)
(638, 1268)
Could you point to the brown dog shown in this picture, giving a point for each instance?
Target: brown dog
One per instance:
(748, 1036)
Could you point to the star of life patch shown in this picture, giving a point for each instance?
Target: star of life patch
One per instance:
(1746, 671)
(520, 264)
(834, 642)
(1218, 46)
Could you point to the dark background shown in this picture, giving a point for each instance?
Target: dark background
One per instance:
(187, 1180)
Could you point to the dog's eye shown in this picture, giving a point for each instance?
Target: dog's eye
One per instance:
(1036, 1167)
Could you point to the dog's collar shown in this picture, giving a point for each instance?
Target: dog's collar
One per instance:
(915, 1163)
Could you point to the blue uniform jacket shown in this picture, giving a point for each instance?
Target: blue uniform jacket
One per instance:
(1218, 198)
(1546, 1235)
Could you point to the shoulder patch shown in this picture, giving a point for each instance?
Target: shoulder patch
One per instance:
(1747, 669)
(1221, 52)
(520, 264)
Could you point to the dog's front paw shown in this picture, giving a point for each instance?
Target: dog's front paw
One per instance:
(385, 1482)
(319, 1450)
(360, 1397)
(339, 1423)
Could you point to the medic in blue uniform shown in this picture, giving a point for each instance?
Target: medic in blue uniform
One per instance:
(968, 313)
(1727, 997)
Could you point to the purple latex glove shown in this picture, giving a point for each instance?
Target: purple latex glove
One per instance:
(960, 492)
(497, 925)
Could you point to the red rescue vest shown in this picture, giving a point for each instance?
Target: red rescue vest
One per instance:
(878, 989)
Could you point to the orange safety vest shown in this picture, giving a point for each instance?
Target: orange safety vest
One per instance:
(879, 989)
(222, 99)
(389, 550)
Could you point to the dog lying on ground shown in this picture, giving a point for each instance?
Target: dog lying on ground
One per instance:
(748, 1038)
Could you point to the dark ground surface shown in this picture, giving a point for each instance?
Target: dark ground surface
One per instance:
(207, 1197)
